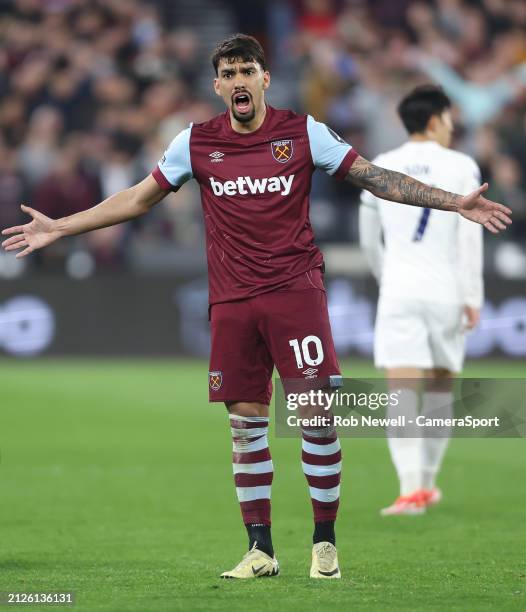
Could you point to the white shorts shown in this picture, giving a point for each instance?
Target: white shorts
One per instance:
(418, 334)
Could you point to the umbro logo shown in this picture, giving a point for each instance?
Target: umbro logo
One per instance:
(216, 156)
(310, 373)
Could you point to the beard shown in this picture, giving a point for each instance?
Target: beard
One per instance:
(245, 118)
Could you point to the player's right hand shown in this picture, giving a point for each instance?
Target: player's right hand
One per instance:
(472, 317)
(34, 235)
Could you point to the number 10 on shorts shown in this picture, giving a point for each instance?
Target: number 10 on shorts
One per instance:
(306, 353)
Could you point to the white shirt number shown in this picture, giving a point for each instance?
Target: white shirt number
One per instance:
(308, 357)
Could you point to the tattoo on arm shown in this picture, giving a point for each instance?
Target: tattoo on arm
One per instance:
(398, 187)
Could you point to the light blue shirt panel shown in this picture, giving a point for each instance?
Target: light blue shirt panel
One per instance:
(175, 164)
(326, 147)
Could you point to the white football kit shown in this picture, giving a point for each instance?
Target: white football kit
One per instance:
(428, 262)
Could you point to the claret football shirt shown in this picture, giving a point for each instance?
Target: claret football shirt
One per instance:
(255, 195)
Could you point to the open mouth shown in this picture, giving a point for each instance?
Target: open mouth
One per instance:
(242, 102)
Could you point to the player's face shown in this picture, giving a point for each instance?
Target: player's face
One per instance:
(242, 86)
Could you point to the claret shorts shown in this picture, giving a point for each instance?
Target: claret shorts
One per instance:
(288, 328)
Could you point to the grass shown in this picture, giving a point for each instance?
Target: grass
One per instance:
(116, 484)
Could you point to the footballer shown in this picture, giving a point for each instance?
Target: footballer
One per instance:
(268, 306)
(429, 268)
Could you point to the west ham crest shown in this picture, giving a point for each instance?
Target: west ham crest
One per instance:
(215, 380)
(281, 150)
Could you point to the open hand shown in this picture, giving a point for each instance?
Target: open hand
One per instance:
(34, 235)
(475, 207)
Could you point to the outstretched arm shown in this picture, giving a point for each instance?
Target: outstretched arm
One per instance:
(122, 206)
(398, 187)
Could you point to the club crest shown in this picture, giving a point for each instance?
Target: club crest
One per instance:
(282, 150)
(215, 380)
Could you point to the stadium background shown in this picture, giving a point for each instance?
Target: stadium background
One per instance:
(104, 490)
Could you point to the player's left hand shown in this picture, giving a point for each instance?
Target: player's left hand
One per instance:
(475, 207)
(471, 317)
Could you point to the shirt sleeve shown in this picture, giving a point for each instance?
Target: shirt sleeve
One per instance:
(329, 151)
(473, 178)
(370, 231)
(371, 237)
(471, 257)
(175, 167)
(471, 247)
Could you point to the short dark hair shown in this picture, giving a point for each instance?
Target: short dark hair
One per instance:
(417, 108)
(239, 47)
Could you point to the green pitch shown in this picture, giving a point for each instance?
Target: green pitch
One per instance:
(116, 484)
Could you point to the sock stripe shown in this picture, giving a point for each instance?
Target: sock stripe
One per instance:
(321, 459)
(245, 494)
(257, 511)
(321, 441)
(239, 433)
(321, 470)
(248, 445)
(325, 495)
(238, 422)
(252, 456)
(325, 511)
(253, 468)
(320, 432)
(321, 449)
(253, 480)
(324, 482)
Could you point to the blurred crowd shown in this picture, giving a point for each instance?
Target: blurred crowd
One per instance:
(93, 91)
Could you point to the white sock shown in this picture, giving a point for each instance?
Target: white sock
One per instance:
(435, 404)
(406, 451)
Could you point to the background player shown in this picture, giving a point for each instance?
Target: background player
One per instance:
(429, 268)
(267, 302)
